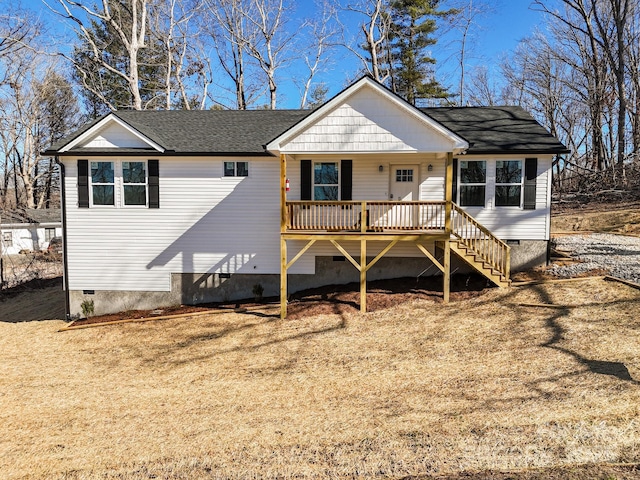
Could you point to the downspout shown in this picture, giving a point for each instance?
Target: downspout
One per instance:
(65, 265)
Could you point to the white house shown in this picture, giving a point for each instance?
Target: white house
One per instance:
(28, 230)
(169, 207)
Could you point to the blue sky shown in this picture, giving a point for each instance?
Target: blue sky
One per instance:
(496, 33)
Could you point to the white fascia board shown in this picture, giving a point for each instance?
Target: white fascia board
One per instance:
(111, 118)
(458, 143)
(351, 152)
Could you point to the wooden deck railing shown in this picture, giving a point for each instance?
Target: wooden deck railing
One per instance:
(473, 235)
(365, 216)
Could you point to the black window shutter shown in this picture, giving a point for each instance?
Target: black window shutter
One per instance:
(346, 179)
(305, 179)
(83, 183)
(454, 181)
(154, 184)
(530, 180)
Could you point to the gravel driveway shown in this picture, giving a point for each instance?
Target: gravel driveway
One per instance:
(618, 254)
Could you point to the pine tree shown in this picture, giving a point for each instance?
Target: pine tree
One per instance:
(413, 23)
(104, 89)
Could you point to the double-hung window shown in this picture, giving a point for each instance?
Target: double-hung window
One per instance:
(49, 233)
(134, 183)
(508, 183)
(473, 183)
(102, 183)
(326, 181)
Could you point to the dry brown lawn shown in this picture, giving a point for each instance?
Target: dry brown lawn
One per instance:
(597, 217)
(416, 390)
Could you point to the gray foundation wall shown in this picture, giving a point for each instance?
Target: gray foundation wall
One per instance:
(190, 289)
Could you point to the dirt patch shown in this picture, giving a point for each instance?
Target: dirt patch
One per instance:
(332, 299)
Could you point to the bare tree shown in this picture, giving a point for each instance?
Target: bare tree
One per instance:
(128, 20)
(483, 90)
(18, 30)
(227, 27)
(597, 28)
(269, 46)
(466, 23)
(173, 25)
(34, 113)
(323, 36)
(375, 26)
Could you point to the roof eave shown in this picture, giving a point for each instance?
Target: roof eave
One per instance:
(519, 151)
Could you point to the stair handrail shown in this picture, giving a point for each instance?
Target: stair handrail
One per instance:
(475, 236)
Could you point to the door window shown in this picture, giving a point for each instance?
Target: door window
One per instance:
(404, 175)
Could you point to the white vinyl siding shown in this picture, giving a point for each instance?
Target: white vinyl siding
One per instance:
(369, 122)
(514, 222)
(114, 136)
(205, 223)
(208, 223)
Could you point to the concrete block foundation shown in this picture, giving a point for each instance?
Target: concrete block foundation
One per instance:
(195, 288)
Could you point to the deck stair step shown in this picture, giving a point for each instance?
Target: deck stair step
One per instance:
(474, 259)
(480, 248)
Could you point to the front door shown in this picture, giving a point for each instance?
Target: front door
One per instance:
(404, 188)
(404, 183)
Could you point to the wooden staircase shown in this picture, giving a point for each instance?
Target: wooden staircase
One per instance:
(480, 248)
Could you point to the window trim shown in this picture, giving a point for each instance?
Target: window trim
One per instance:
(462, 184)
(92, 184)
(313, 181)
(235, 169)
(123, 203)
(7, 238)
(47, 231)
(514, 184)
(118, 183)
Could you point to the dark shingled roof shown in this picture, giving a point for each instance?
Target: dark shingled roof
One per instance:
(204, 131)
(497, 129)
(238, 132)
(31, 215)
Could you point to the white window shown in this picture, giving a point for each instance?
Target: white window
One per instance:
(236, 169)
(473, 183)
(7, 239)
(326, 181)
(102, 183)
(134, 183)
(49, 233)
(508, 183)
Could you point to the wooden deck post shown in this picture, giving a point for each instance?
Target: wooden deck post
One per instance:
(363, 275)
(283, 277)
(446, 274)
(283, 242)
(448, 196)
(448, 192)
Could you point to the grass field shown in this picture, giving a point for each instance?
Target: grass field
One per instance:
(421, 389)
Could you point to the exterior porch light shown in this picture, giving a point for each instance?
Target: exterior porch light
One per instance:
(380, 168)
(430, 167)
